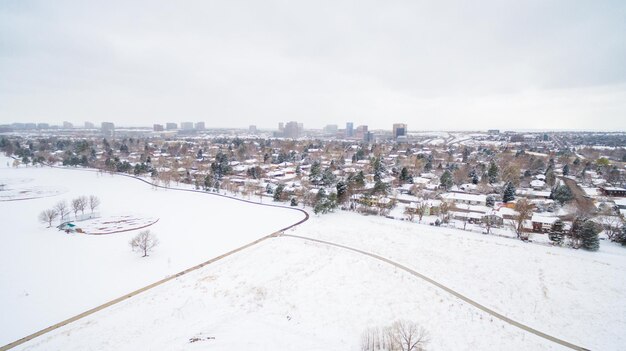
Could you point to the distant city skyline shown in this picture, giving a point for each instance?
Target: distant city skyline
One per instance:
(504, 65)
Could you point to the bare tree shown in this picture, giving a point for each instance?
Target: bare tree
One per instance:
(444, 209)
(524, 211)
(400, 336)
(409, 213)
(94, 202)
(612, 224)
(78, 204)
(409, 336)
(422, 207)
(48, 216)
(489, 221)
(62, 209)
(144, 242)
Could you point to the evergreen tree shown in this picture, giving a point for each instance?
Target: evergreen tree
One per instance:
(562, 194)
(342, 191)
(429, 164)
(328, 177)
(473, 176)
(404, 175)
(621, 236)
(315, 175)
(492, 172)
(509, 193)
(378, 168)
(556, 232)
(380, 188)
(566, 170)
(278, 192)
(589, 237)
(221, 166)
(446, 180)
(359, 180)
(324, 203)
(490, 201)
(294, 202)
(550, 177)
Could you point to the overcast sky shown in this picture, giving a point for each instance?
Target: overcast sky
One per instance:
(435, 65)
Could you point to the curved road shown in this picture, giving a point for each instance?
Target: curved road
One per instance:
(278, 233)
(448, 290)
(167, 279)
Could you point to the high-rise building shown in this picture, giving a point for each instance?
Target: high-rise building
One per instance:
(43, 126)
(293, 130)
(361, 132)
(157, 127)
(89, 125)
(252, 129)
(331, 128)
(199, 126)
(67, 125)
(349, 129)
(171, 126)
(399, 129)
(281, 127)
(108, 128)
(186, 125)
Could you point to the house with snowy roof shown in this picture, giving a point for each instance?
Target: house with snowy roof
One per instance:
(464, 198)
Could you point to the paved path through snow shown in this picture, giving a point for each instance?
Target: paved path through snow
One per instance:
(450, 291)
(167, 279)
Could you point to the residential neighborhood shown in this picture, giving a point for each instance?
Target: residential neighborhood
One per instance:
(472, 181)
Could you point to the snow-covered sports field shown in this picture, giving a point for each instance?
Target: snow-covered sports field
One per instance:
(288, 293)
(47, 276)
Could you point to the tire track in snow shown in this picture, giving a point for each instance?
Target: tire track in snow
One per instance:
(164, 280)
(448, 290)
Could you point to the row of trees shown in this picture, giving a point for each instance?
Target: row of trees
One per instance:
(583, 234)
(62, 210)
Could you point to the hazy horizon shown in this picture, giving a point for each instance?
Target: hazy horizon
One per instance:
(453, 65)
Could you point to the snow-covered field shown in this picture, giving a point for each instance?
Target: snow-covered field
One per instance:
(115, 224)
(15, 188)
(47, 276)
(575, 295)
(287, 293)
(290, 294)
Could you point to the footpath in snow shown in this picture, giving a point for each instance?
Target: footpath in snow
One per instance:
(47, 275)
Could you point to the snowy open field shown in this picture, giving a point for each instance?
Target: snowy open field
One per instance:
(291, 294)
(286, 293)
(304, 297)
(575, 295)
(47, 276)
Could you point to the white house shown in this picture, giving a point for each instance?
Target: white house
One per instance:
(463, 198)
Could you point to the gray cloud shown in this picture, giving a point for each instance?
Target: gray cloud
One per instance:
(434, 65)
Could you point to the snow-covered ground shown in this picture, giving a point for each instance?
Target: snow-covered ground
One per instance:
(290, 294)
(47, 276)
(286, 294)
(576, 295)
